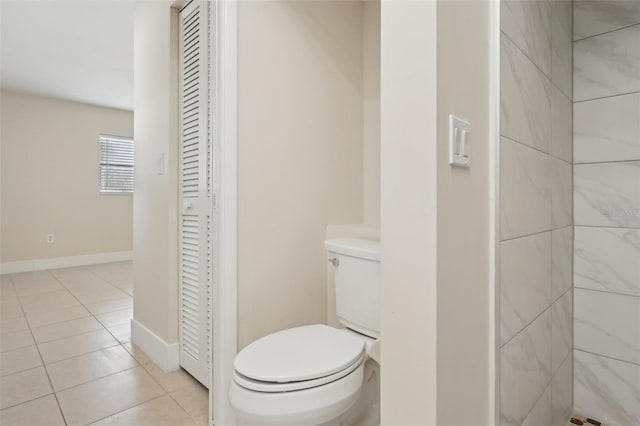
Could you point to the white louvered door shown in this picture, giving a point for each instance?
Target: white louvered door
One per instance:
(196, 191)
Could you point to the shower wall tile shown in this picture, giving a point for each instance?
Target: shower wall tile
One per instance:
(608, 324)
(607, 65)
(541, 412)
(561, 193)
(525, 287)
(525, 101)
(607, 194)
(607, 389)
(562, 394)
(528, 25)
(562, 45)
(607, 129)
(524, 191)
(561, 261)
(608, 259)
(525, 370)
(561, 125)
(561, 330)
(593, 17)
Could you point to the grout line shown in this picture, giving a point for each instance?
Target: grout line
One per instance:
(46, 372)
(536, 149)
(607, 227)
(608, 292)
(121, 344)
(536, 317)
(606, 97)
(606, 356)
(537, 233)
(606, 32)
(129, 408)
(589, 163)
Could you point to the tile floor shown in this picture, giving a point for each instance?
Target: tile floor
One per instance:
(66, 355)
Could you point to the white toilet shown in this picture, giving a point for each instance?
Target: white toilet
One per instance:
(316, 374)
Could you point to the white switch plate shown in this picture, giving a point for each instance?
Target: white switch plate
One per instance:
(459, 142)
(51, 238)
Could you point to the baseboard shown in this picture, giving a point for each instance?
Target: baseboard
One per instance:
(165, 355)
(63, 262)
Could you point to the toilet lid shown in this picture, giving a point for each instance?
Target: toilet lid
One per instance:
(297, 354)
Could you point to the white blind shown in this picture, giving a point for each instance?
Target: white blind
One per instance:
(116, 164)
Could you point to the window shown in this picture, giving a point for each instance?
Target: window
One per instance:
(116, 165)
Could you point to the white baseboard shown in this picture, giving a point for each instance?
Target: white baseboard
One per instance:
(165, 355)
(63, 262)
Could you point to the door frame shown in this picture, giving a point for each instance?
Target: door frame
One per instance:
(224, 41)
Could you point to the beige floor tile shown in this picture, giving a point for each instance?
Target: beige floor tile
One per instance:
(19, 360)
(137, 353)
(172, 380)
(35, 277)
(111, 319)
(8, 295)
(11, 341)
(38, 319)
(46, 286)
(161, 411)
(104, 397)
(91, 366)
(97, 292)
(10, 309)
(39, 412)
(194, 398)
(24, 386)
(13, 325)
(121, 332)
(61, 330)
(54, 301)
(110, 305)
(76, 345)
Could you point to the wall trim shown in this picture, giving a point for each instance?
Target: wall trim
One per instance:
(63, 262)
(225, 107)
(165, 355)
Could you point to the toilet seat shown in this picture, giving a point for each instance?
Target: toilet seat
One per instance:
(298, 358)
(261, 386)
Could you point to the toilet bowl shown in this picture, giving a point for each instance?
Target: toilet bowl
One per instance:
(314, 375)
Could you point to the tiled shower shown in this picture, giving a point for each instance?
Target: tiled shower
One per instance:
(607, 211)
(569, 151)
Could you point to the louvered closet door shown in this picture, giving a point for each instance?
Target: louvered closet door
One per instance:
(196, 183)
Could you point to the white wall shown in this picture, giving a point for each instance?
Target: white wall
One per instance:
(408, 213)
(155, 204)
(300, 154)
(371, 117)
(465, 320)
(437, 328)
(49, 180)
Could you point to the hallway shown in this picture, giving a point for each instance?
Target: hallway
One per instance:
(66, 355)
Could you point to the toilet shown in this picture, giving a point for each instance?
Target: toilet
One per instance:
(316, 374)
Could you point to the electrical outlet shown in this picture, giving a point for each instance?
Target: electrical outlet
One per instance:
(51, 238)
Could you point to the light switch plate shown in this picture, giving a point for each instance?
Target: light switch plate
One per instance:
(459, 142)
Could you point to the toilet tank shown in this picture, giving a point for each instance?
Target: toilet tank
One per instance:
(356, 264)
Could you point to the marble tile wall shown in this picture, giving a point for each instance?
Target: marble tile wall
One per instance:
(536, 203)
(607, 210)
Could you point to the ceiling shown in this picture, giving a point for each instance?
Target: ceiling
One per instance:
(78, 50)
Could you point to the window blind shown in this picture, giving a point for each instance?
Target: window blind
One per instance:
(116, 164)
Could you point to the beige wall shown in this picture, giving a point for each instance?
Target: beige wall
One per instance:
(371, 119)
(408, 213)
(465, 323)
(49, 180)
(300, 154)
(155, 204)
